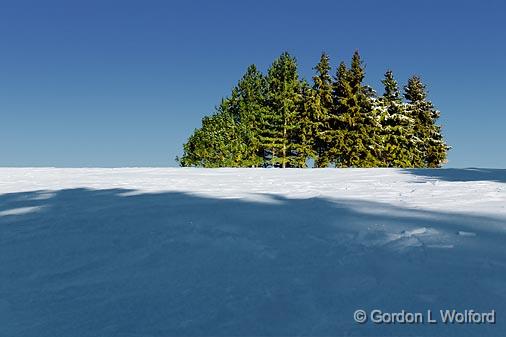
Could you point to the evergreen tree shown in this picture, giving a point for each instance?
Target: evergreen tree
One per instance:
(303, 137)
(391, 93)
(283, 101)
(398, 147)
(356, 140)
(217, 143)
(337, 125)
(279, 120)
(247, 104)
(320, 104)
(231, 136)
(431, 148)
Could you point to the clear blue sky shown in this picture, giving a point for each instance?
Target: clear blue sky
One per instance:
(123, 83)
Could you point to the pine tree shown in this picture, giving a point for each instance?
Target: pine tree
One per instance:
(356, 140)
(247, 104)
(320, 104)
(337, 126)
(230, 137)
(217, 143)
(431, 148)
(398, 147)
(279, 120)
(283, 101)
(391, 93)
(303, 137)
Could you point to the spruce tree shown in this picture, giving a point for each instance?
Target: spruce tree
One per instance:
(398, 147)
(283, 101)
(247, 104)
(337, 124)
(303, 137)
(231, 136)
(430, 145)
(217, 143)
(279, 120)
(320, 105)
(391, 92)
(356, 140)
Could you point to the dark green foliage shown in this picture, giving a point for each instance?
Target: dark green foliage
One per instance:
(247, 104)
(217, 143)
(357, 142)
(279, 120)
(429, 140)
(303, 139)
(230, 138)
(320, 103)
(399, 148)
(392, 93)
(284, 98)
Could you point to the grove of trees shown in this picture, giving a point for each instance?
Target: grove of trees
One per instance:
(280, 120)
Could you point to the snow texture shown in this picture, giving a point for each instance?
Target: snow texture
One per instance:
(248, 252)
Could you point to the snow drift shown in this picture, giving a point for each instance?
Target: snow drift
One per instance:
(248, 252)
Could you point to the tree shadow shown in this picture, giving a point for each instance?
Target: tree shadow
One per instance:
(468, 174)
(115, 262)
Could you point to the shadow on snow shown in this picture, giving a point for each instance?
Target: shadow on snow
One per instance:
(102, 262)
(469, 174)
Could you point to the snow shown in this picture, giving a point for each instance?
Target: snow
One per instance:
(248, 252)
(20, 210)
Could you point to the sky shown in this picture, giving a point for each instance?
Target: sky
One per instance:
(124, 83)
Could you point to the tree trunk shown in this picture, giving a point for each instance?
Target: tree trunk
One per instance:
(284, 145)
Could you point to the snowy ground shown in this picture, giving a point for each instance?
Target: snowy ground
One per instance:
(248, 252)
